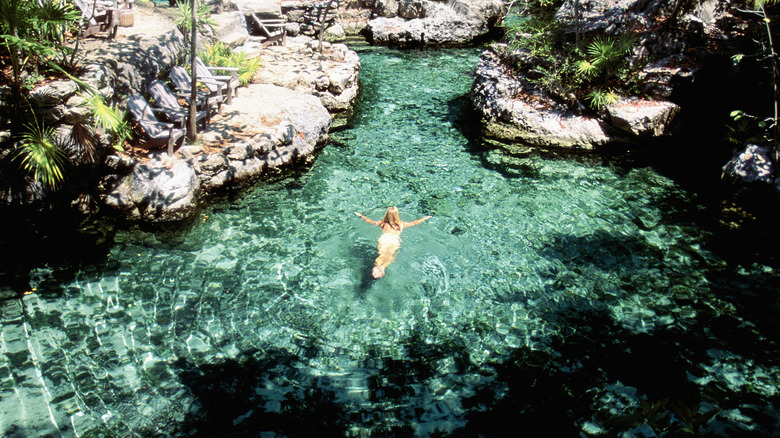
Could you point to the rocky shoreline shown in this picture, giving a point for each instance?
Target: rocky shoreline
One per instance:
(266, 128)
(284, 116)
(279, 120)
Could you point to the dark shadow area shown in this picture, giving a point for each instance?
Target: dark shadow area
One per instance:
(260, 392)
(753, 297)
(592, 374)
(58, 238)
(366, 253)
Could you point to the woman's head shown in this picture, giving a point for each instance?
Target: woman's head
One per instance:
(391, 218)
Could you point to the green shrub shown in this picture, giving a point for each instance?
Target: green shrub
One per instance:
(220, 55)
(597, 72)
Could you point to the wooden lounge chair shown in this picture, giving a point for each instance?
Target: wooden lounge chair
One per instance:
(183, 83)
(167, 103)
(210, 73)
(272, 30)
(157, 133)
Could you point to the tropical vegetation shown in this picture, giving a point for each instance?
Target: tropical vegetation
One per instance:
(220, 55)
(32, 48)
(597, 69)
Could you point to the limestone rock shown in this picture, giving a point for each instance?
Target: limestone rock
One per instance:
(642, 117)
(410, 9)
(511, 112)
(437, 23)
(333, 77)
(334, 33)
(129, 65)
(248, 138)
(161, 189)
(262, 8)
(230, 29)
(513, 108)
(607, 15)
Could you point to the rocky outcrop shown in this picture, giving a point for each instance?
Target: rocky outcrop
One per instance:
(242, 144)
(642, 117)
(162, 188)
(114, 68)
(132, 63)
(332, 76)
(513, 108)
(262, 8)
(229, 29)
(423, 22)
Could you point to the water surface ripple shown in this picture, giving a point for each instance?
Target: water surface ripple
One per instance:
(565, 295)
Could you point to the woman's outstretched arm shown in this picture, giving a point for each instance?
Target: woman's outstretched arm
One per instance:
(417, 222)
(370, 221)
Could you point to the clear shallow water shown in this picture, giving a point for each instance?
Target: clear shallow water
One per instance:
(567, 295)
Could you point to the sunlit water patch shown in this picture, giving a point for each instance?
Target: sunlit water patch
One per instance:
(569, 295)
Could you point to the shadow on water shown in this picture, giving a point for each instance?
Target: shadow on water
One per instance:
(594, 369)
(32, 239)
(260, 391)
(752, 295)
(366, 253)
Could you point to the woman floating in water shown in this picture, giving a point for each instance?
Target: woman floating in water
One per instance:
(390, 240)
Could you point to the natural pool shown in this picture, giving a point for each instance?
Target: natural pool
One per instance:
(575, 296)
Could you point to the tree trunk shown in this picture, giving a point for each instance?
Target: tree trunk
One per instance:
(192, 127)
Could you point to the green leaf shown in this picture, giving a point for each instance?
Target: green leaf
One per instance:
(40, 157)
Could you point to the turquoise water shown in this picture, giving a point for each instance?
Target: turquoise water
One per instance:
(571, 295)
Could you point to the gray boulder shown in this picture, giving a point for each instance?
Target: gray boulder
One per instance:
(262, 8)
(434, 23)
(230, 29)
(331, 76)
(125, 66)
(607, 15)
(249, 139)
(161, 189)
(643, 117)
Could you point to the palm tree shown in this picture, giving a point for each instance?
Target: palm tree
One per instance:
(32, 32)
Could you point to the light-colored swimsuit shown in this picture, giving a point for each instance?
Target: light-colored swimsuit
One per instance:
(389, 243)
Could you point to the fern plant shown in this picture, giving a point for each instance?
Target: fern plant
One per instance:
(606, 56)
(601, 97)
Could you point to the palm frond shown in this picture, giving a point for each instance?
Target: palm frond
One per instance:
(40, 157)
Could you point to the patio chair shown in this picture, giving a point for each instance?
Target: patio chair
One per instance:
(183, 83)
(272, 30)
(157, 133)
(167, 103)
(210, 73)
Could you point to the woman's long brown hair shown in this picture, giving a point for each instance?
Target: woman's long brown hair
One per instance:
(391, 218)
